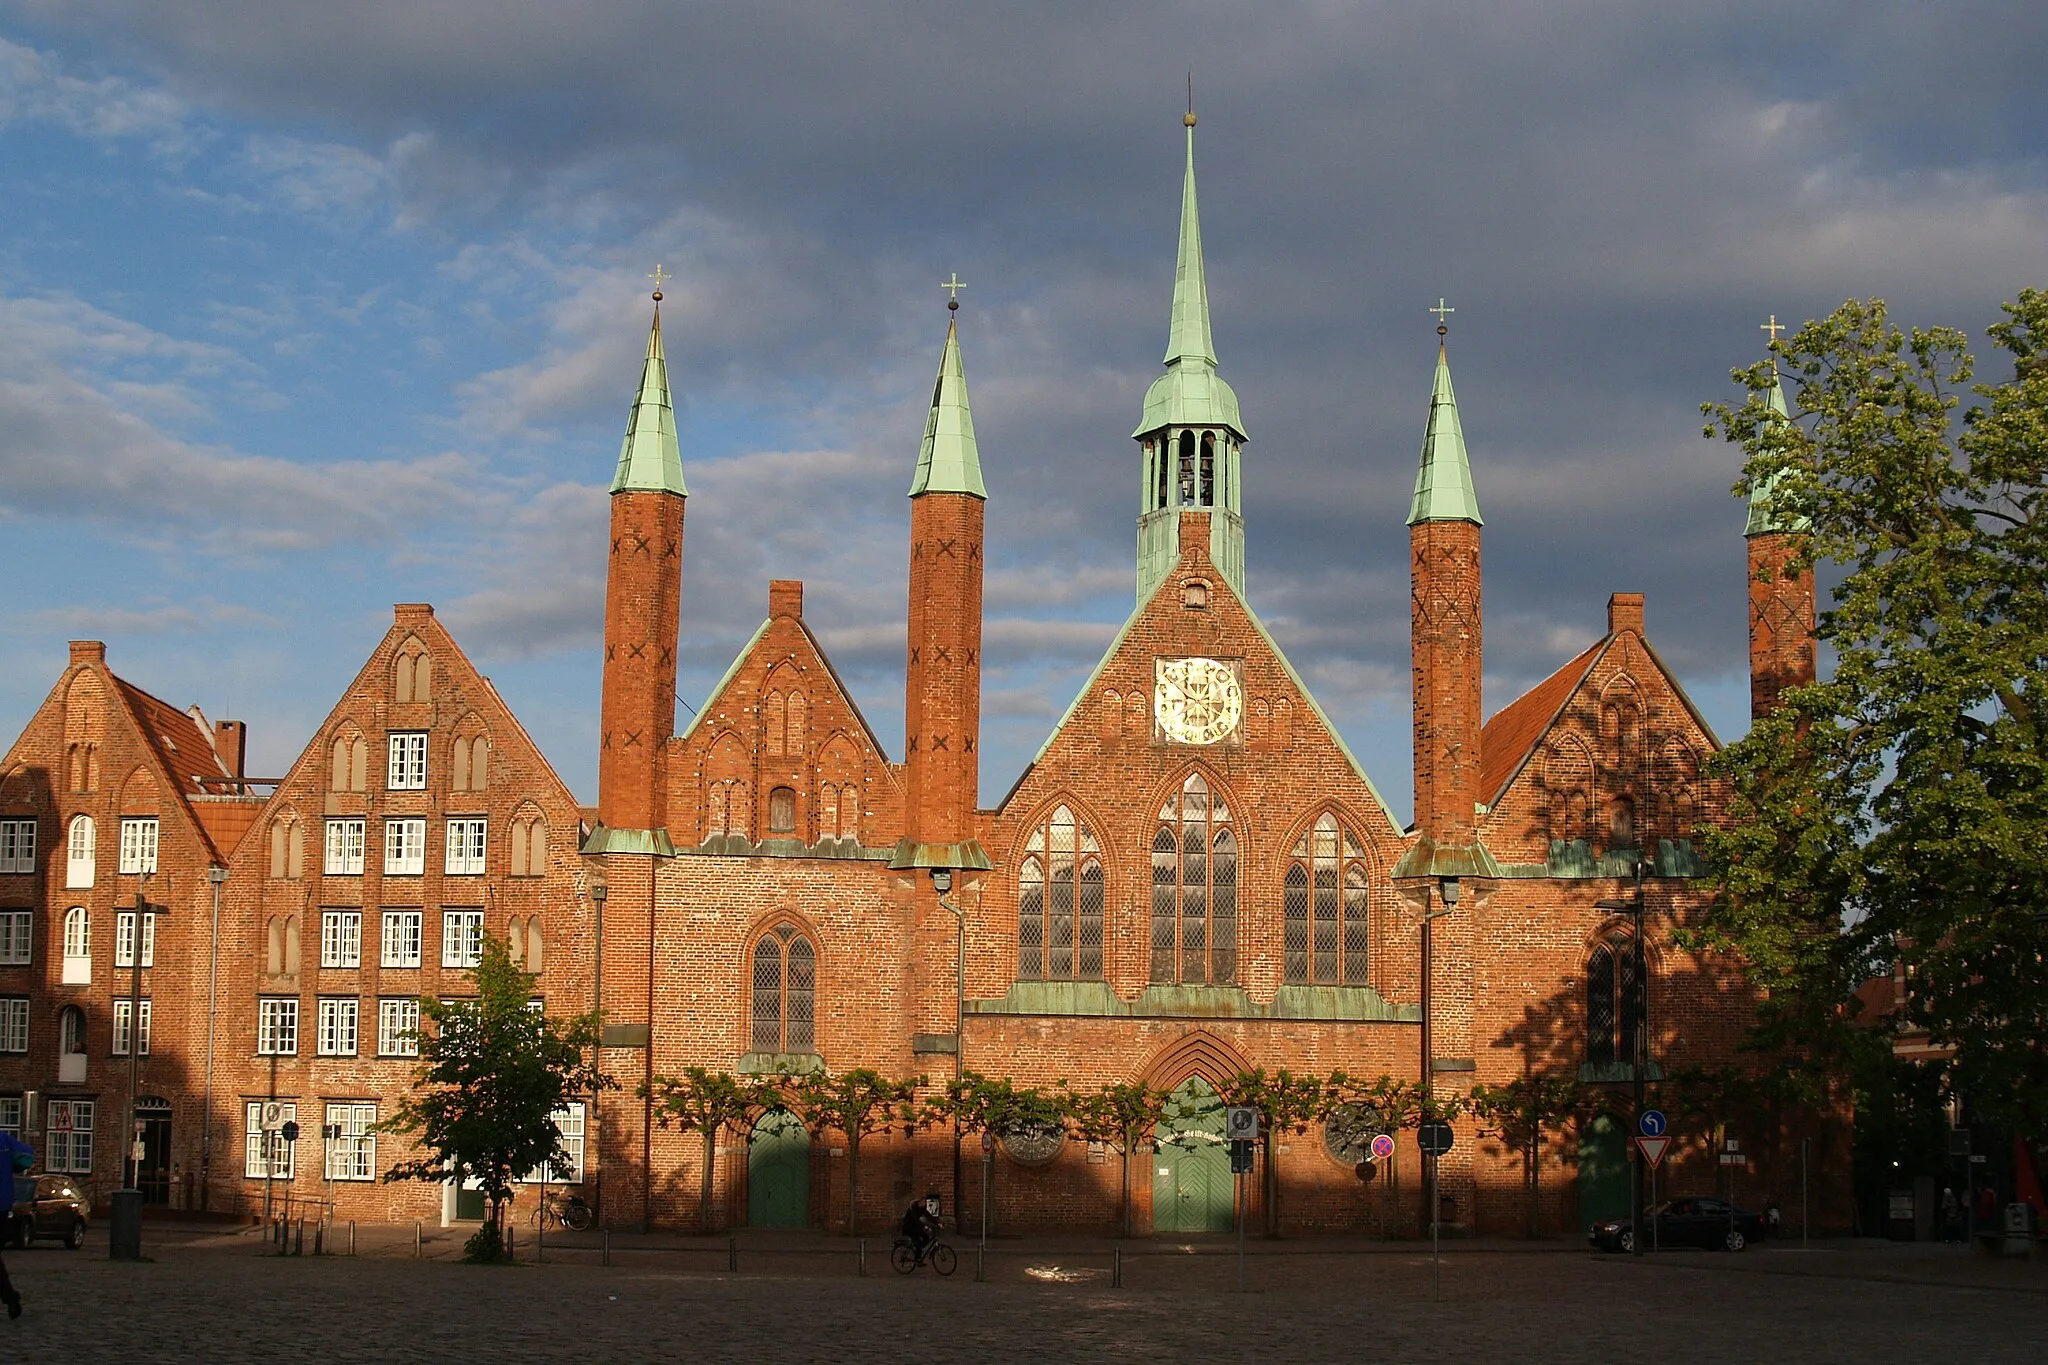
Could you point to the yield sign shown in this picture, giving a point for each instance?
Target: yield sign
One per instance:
(1653, 1149)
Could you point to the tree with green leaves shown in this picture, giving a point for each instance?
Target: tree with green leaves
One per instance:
(973, 1103)
(707, 1103)
(492, 1075)
(1283, 1100)
(1897, 812)
(1520, 1114)
(1357, 1108)
(855, 1104)
(1121, 1115)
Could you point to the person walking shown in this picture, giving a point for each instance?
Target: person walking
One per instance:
(1951, 1215)
(16, 1157)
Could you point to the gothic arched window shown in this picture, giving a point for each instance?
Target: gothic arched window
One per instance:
(1194, 888)
(1325, 908)
(1614, 1000)
(1059, 902)
(785, 992)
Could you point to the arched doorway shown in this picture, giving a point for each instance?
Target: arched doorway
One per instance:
(1191, 1181)
(779, 1172)
(1603, 1171)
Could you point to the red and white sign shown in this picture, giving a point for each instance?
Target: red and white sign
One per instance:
(988, 1142)
(1653, 1150)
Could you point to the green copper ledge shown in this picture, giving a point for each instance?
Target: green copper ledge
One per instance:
(948, 461)
(1763, 520)
(1443, 483)
(649, 458)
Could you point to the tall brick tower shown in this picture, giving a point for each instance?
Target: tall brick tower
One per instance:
(1191, 432)
(642, 606)
(942, 693)
(1781, 597)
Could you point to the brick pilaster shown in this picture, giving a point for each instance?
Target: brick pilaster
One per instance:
(642, 609)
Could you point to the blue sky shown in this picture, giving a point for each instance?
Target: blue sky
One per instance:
(306, 310)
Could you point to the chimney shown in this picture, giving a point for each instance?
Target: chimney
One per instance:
(1625, 612)
(786, 597)
(231, 744)
(88, 652)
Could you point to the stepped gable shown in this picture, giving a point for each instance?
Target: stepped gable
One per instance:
(781, 718)
(1605, 753)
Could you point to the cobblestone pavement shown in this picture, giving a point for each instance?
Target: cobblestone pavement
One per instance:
(218, 1297)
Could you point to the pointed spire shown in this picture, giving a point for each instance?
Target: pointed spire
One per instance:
(947, 459)
(1763, 521)
(649, 459)
(1189, 339)
(1443, 484)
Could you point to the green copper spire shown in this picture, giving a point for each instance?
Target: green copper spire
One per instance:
(1443, 485)
(947, 460)
(1189, 393)
(1763, 521)
(649, 459)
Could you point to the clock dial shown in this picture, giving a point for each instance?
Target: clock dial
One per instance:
(1196, 701)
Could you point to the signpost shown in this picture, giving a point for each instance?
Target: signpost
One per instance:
(1435, 1138)
(1652, 1146)
(1382, 1146)
(1653, 1150)
(1652, 1123)
(1241, 1127)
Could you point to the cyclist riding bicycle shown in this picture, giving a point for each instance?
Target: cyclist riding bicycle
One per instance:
(921, 1223)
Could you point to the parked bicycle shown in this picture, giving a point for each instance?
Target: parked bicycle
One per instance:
(936, 1254)
(559, 1209)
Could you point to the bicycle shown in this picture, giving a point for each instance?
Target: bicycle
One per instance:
(936, 1254)
(557, 1210)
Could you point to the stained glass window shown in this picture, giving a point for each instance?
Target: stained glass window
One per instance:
(1060, 902)
(1194, 888)
(1325, 909)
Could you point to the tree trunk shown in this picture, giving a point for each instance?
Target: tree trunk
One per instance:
(1126, 1209)
(1272, 1184)
(704, 1191)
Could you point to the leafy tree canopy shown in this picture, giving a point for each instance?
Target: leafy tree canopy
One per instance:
(1898, 811)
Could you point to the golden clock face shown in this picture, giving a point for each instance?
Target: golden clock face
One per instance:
(1196, 701)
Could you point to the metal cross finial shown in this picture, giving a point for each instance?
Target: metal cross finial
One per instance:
(953, 288)
(1773, 327)
(1440, 310)
(658, 276)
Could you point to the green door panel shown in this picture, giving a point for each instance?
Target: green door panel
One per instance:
(779, 1172)
(1603, 1171)
(1191, 1179)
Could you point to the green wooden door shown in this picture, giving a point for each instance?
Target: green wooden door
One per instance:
(778, 1172)
(1191, 1180)
(1603, 1171)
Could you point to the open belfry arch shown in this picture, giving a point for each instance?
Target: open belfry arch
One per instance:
(1192, 879)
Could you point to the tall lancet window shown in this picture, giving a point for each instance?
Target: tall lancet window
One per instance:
(1324, 908)
(1194, 888)
(1160, 472)
(1059, 902)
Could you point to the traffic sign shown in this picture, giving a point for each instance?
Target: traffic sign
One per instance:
(273, 1116)
(290, 1131)
(1241, 1123)
(1652, 1123)
(1653, 1149)
(1734, 1159)
(988, 1142)
(1240, 1156)
(1382, 1146)
(1434, 1138)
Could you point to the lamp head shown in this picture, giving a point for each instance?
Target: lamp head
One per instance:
(1449, 886)
(598, 892)
(942, 879)
(216, 874)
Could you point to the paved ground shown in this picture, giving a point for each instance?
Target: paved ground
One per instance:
(217, 1297)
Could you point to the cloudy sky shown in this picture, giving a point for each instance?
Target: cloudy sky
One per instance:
(306, 309)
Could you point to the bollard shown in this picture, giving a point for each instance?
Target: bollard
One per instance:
(319, 1239)
(1116, 1268)
(299, 1245)
(351, 1236)
(732, 1253)
(981, 1265)
(511, 1252)
(861, 1259)
(607, 1258)
(416, 1239)
(124, 1226)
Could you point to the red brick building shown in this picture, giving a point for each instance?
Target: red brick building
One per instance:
(1193, 877)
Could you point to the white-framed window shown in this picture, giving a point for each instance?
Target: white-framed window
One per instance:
(10, 1114)
(569, 1121)
(345, 848)
(408, 761)
(466, 846)
(17, 931)
(67, 1137)
(398, 1027)
(338, 1017)
(266, 1155)
(351, 1134)
(277, 1026)
(462, 938)
(122, 1009)
(77, 946)
(138, 845)
(405, 848)
(81, 845)
(401, 938)
(14, 1028)
(17, 845)
(124, 939)
(341, 938)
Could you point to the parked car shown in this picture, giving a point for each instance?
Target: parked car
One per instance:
(1701, 1222)
(58, 1209)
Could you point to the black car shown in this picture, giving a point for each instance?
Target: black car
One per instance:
(1702, 1222)
(58, 1209)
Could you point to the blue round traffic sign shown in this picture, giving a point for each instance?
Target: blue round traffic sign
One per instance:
(1652, 1123)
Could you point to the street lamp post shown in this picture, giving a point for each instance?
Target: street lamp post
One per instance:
(942, 883)
(1448, 887)
(143, 913)
(1639, 1051)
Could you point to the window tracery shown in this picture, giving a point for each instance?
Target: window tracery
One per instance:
(1194, 888)
(1060, 902)
(1326, 908)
